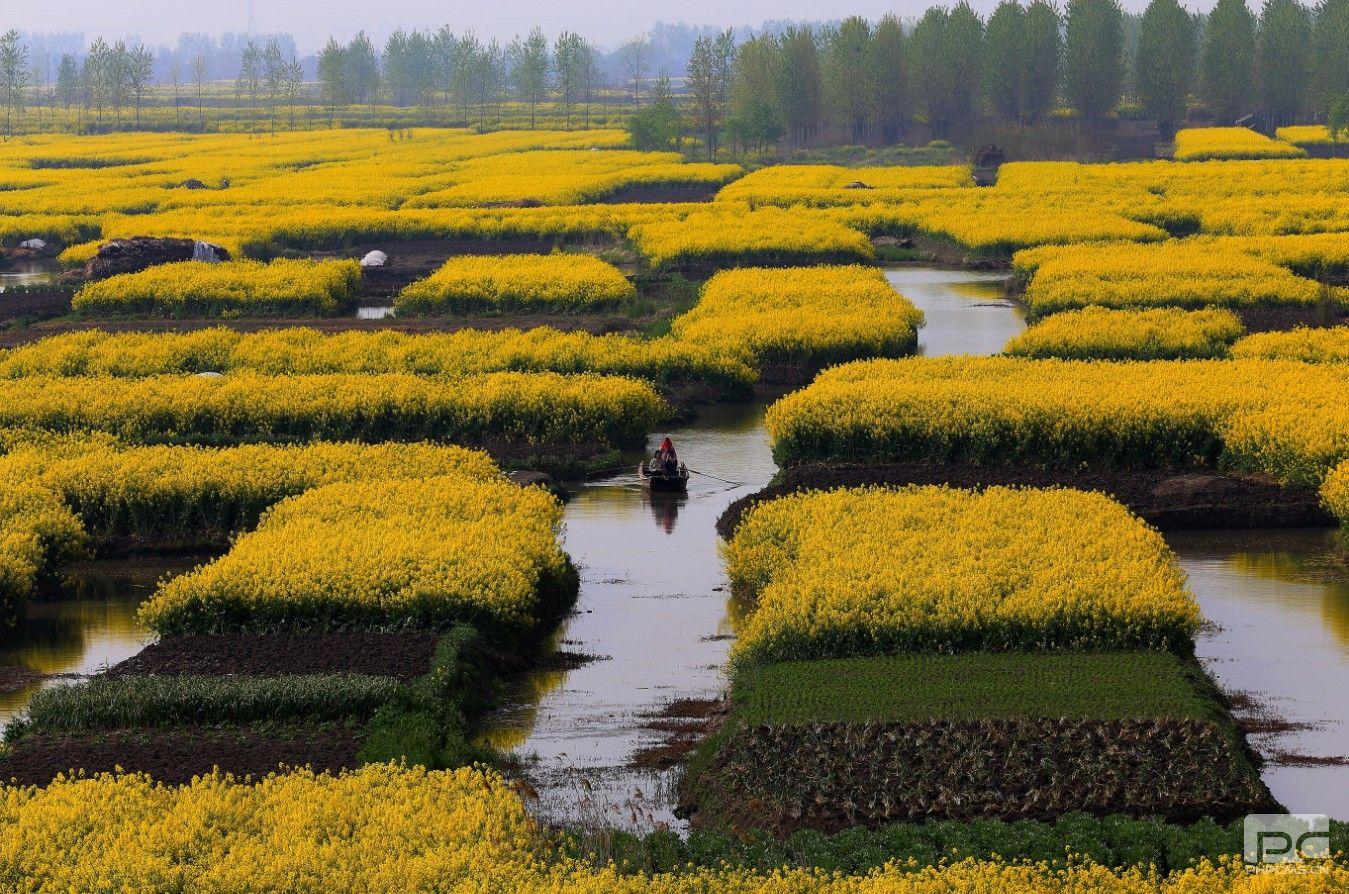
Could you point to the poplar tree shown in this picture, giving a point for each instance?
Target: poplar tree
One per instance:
(1042, 57)
(1093, 57)
(1281, 59)
(1227, 60)
(1164, 69)
(1004, 66)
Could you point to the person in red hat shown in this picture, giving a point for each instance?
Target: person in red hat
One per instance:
(665, 455)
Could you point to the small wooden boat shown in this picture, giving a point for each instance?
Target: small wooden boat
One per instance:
(660, 480)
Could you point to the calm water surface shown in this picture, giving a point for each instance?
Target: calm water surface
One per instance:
(89, 625)
(1279, 605)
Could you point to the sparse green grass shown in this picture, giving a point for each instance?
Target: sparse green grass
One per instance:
(969, 687)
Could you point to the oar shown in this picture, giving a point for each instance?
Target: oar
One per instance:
(714, 477)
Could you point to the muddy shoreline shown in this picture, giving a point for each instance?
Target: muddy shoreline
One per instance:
(1170, 500)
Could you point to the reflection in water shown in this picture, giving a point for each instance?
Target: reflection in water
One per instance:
(652, 605)
(373, 313)
(664, 507)
(1280, 603)
(89, 625)
(27, 273)
(966, 310)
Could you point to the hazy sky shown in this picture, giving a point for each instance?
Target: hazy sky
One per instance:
(311, 21)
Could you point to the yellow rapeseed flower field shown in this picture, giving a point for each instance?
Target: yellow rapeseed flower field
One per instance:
(504, 283)
(1157, 334)
(1330, 345)
(802, 315)
(534, 408)
(870, 571)
(1221, 143)
(1283, 418)
(390, 830)
(413, 552)
(300, 350)
(229, 288)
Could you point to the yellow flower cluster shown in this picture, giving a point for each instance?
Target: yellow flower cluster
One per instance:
(566, 177)
(54, 492)
(230, 288)
(841, 573)
(1182, 273)
(1335, 492)
(392, 830)
(1304, 135)
(827, 185)
(421, 552)
(310, 189)
(517, 282)
(1307, 345)
(526, 407)
(1159, 334)
(803, 315)
(731, 233)
(1287, 419)
(305, 351)
(1223, 143)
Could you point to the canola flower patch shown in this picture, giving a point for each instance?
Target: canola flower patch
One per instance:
(801, 315)
(1304, 135)
(731, 234)
(299, 350)
(385, 829)
(1186, 273)
(1281, 418)
(1223, 143)
(532, 408)
(233, 288)
(423, 552)
(517, 282)
(1335, 492)
(1157, 334)
(829, 185)
(1330, 345)
(871, 571)
(60, 496)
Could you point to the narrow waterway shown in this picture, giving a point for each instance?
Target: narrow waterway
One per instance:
(27, 273)
(86, 626)
(653, 596)
(1278, 605)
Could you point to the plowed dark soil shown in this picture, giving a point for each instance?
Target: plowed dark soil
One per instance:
(399, 655)
(176, 755)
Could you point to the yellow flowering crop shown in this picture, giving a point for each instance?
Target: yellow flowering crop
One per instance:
(801, 315)
(384, 829)
(517, 282)
(303, 351)
(527, 407)
(423, 552)
(194, 288)
(868, 571)
(1184, 273)
(1305, 135)
(1222, 143)
(1329, 345)
(1335, 492)
(1286, 419)
(825, 185)
(1157, 334)
(56, 492)
(730, 233)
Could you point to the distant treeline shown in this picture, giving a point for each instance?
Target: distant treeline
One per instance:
(842, 82)
(1022, 64)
